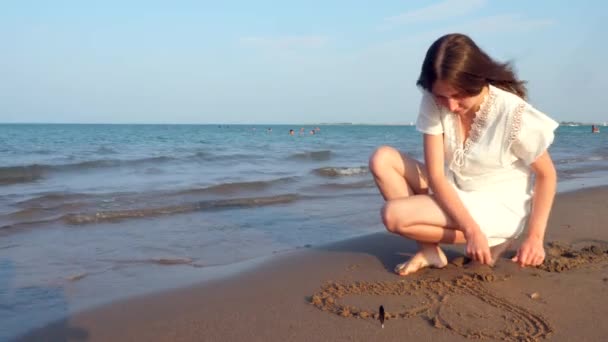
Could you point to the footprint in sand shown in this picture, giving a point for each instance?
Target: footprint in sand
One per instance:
(462, 305)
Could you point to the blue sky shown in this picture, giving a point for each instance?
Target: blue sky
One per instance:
(281, 62)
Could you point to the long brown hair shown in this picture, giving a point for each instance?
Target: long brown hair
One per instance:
(456, 59)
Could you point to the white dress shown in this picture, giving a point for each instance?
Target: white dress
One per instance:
(491, 170)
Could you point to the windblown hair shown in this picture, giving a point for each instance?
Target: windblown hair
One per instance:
(456, 59)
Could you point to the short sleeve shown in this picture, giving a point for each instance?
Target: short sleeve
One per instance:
(429, 116)
(533, 133)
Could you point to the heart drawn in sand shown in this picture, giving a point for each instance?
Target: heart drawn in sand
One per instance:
(463, 305)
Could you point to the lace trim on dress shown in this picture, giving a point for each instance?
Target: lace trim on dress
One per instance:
(516, 123)
(477, 128)
(480, 121)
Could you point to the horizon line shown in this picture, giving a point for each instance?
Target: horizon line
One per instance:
(208, 124)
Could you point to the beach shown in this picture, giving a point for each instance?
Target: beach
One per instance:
(333, 292)
(93, 215)
(200, 171)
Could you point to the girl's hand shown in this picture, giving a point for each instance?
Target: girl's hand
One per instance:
(477, 247)
(530, 253)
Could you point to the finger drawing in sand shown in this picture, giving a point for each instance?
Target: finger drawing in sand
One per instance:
(487, 176)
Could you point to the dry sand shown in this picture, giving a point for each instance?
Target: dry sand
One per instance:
(333, 293)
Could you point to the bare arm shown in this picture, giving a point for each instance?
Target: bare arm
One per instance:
(532, 251)
(544, 193)
(445, 194)
(477, 243)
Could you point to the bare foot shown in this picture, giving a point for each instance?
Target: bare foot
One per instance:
(431, 256)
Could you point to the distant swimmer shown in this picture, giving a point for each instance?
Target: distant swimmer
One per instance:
(291, 132)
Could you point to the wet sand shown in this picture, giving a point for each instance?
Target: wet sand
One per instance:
(332, 293)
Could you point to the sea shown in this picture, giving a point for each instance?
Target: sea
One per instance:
(91, 214)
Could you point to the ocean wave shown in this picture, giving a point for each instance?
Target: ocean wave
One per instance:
(84, 218)
(44, 200)
(207, 156)
(580, 159)
(44, 152)
(106, 150)
(171, 261)
(580, 171)
(9, 246)
(154, 171)
(341, 171)
(164, 261)
(234, 187)
(10, 227)
(104, 163)
(33, 172)
(356, 185)
(336, 188)
(201, 155)
(77, 276)
(312, 155)
(69, 202)
(20, 174)
(119, 215)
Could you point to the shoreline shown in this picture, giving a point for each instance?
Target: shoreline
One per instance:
(272, 300)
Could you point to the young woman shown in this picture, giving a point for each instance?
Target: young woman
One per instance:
(487, 173)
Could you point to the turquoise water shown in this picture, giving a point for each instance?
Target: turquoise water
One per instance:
(94, 213)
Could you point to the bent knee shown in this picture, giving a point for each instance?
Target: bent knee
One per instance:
(399, 218)
(391, 217)
(382, 157)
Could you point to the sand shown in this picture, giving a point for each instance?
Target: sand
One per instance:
(333, 293)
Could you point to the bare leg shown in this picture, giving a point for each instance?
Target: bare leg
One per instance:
(410, 211)
(402, 216)
(396, 175)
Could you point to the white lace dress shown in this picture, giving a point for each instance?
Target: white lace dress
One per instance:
(491, 170)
